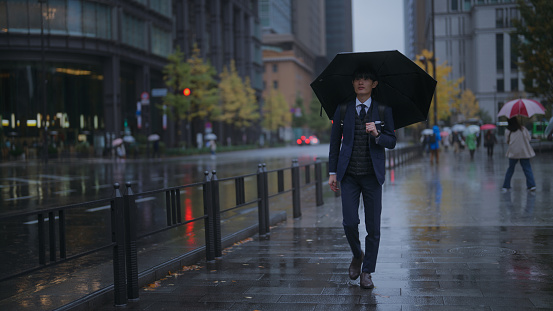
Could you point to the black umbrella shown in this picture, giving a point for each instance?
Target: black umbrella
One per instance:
(402, 84)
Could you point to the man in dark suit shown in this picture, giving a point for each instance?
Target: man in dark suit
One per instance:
(357, 160)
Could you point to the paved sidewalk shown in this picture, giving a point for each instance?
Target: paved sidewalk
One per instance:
(451, 240)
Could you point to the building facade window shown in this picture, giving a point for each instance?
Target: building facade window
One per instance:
(514, 84)
(275, 68)
(467, 5)
(161, 43)
(133, 30)
(499, 57)
(514, 52)
(499, 18)
(74, 102)
(74, 18)
(275, 85)
(454, 5)
(500, 85)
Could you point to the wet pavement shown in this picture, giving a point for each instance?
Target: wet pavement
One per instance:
(451, 240)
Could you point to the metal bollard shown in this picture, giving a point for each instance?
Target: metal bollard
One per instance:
(266, 199)
(319, 182)
(261, 203)
(296, 203)
(216, 215)
(130, 243)
(118, 236)
(208, 222)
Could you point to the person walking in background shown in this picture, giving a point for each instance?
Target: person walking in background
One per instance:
(435, 139)
(470, 142)
(519, 149)
(357, 160)
(489, 141)
(212, 147)
(456, 141)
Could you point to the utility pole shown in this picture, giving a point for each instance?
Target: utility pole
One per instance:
(44, 81)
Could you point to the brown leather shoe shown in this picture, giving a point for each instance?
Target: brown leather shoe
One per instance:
(366, 280)
(355, 267)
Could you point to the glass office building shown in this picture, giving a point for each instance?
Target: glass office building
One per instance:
(79, 67)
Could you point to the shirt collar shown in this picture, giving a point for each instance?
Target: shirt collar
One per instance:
(366, 103)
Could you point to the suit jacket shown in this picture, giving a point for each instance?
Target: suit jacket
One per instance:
(341, 144)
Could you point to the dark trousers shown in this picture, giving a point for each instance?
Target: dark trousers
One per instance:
(352, 187)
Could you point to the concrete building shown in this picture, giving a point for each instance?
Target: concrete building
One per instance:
(293, 59)
(474, 38)
(289, 58)
(99, 57)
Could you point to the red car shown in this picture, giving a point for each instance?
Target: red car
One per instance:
(311, 140)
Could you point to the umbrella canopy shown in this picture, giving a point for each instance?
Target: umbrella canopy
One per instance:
(458, 128)
(521, 107)
(117, 142)
(402, 84)
(444, 133)
(447, 129)
(486, 127)
(210, 136)
(129, 139)
(427, 132)
(471, 129)
(153, 137)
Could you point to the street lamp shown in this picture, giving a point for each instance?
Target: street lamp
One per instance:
(45, 142)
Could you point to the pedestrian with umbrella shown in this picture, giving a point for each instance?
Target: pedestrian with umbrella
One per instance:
(518, 139)
(519, 149)
(363, 126)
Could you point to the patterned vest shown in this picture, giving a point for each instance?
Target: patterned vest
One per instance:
(360, 162)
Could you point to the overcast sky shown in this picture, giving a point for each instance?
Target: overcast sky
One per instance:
(378, 25)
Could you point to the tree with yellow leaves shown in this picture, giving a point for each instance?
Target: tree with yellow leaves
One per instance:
(204, 95)
(239, 105)
(447, 90)
(276, 111)
(467, 106)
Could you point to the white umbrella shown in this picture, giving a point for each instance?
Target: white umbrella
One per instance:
(117, 142)
(210, 136)
(472, 129)
(447, 129)
(427, 132)
(521, 107)
(458, 128)
(153, 137)
(129, 139)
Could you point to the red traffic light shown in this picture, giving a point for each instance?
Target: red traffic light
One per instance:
(186, 92)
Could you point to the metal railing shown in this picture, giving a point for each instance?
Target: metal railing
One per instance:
(125, 234)
(123, 220)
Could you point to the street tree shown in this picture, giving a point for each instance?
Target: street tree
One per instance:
(204, 95)
(534, 40)
(447, 90)
(466, 106)
(239, 104)
(176, 75)
(276, 111)
(320, 125)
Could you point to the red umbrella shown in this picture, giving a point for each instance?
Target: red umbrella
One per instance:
(521, 107)
(487, 127)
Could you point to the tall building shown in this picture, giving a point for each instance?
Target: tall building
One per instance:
(474, 38)
(293, 39)
(99, 58)
(339, 27)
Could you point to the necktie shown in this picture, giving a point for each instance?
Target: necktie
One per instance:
(362, 112)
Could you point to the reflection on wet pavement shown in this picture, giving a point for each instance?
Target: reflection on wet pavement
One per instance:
(451, 240)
